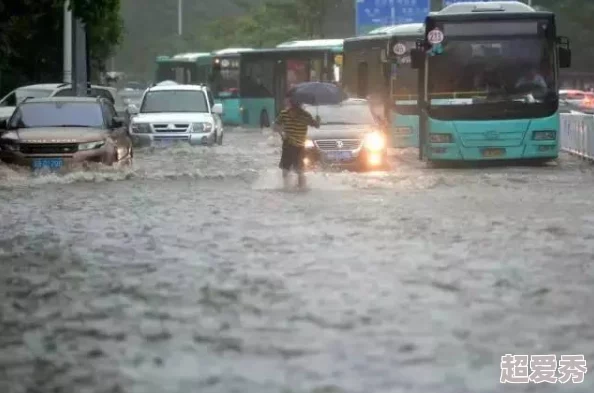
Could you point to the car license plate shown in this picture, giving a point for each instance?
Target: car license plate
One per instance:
(339, 155)
(47, 163)
(164, 142)
(490, 153)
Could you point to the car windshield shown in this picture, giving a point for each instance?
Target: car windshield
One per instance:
(57, 114)
(23, 93)
(342, 114)
(174, 101)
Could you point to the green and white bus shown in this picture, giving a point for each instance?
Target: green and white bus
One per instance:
(368, 72)
(489, 74)
(186, 68)
(255, 89)
(225, 82)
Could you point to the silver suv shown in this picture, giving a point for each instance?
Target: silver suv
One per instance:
(172, 113)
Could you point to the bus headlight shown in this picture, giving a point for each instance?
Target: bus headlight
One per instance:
(544, 135)
(374, 141)
(309, 144)
(440, 138)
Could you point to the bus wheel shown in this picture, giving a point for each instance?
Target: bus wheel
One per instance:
(264, 120)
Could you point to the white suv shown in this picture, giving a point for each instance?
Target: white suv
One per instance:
(171, 113)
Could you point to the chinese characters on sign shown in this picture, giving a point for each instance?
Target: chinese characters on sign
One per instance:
(542, 368)
(450, 2)
(371, 14)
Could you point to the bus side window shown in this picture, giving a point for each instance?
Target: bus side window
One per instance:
(362, 80)
(203, 75)
(179, 75)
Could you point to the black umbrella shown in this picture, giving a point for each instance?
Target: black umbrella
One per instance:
(317, 93)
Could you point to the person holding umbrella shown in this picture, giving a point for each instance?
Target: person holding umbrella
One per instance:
(292, 124)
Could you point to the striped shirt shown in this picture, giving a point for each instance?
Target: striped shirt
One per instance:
(295, 122)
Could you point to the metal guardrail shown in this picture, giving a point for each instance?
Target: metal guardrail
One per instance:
(577, 134)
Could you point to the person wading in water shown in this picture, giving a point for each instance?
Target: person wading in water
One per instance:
(292, 125)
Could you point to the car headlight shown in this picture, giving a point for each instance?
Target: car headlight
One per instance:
(544, 135)
(140, 128)
(201, 127)
(91, 145)
(374, 141)
(9, 146)
(309, 144)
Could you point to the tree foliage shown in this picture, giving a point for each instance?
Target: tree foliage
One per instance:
(104, 25)
(31, 37)
(574, 20)
(269, 23)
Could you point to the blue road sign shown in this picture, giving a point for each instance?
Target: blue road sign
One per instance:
(450, 2)
(371, 14)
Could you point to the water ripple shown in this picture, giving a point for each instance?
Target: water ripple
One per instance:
(192, 271)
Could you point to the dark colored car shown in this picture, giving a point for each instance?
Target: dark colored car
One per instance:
(58, 132)
(349, 137)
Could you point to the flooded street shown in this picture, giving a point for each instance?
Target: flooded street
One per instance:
(194, 272)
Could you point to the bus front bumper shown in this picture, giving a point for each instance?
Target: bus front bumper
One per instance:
(454, 152)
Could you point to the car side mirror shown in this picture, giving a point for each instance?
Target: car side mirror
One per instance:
(417, 58)
(3, 124)
(217, 108)
(117, 122)
(133, 109)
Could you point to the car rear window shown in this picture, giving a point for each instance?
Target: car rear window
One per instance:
(94, 93)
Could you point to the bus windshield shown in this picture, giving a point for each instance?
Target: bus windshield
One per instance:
(404, 80)
(486, 69)
(183, 72)
(180, 73)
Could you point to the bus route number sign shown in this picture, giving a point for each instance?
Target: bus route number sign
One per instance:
(435, 36)
(399, 49)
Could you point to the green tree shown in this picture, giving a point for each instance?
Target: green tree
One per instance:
(32, 33)
(268, 24)
(574, 20)
(104, 26)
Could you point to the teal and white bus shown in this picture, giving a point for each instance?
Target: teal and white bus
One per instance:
(365, 73)
(187, 68)
(489, 74)
(263, 76)
(225, 82)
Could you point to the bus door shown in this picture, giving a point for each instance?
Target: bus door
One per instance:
(280, 85)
